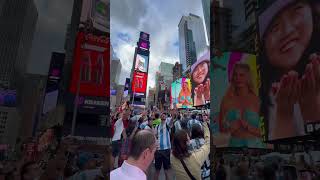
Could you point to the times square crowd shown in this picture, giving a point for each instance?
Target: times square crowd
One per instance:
(145, 142)
(246, 167)
(175, 142)
(50, 157)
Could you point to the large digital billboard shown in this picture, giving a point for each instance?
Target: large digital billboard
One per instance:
(54, 76)
(126, 87)
(139, 83)
(144, 36)
(143, 44)
(142, 63)
(91, 66)
(290, 62)
(200, 80)
(95, 16)
(236, 120)
(181, 96)
(8, 98)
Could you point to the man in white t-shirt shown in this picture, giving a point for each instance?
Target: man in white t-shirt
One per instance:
(141, 155)
(119, 130)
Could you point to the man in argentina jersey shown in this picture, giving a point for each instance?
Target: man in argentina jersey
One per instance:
(162, 155)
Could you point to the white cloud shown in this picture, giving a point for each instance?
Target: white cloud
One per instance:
(158, 18)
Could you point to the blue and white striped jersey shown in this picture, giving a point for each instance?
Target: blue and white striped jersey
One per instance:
(163, 136)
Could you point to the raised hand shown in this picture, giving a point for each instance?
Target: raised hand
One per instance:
(287, 91)
(286, 95)
(207, 90)
(310, 90)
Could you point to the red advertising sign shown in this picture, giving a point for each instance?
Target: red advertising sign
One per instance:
(91, 65)
(139, 83)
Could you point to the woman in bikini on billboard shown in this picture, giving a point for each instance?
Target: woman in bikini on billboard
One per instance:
(185, 95)
(290, 32)
(239, 115)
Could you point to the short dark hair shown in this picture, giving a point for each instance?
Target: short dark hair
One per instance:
(157, 115)
(193, 116)
(196, 131)
(141, 141)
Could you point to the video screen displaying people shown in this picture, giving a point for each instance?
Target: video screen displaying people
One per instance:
(235, 96)
(141, 63)
(200, 80)
(181, 96)
(290, 67)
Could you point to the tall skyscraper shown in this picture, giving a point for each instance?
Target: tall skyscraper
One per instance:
(206, 14)
(18, 19)
(192, 40)
(165, 70)
(164, 79)
(115, 71)
(151, 97)
(177, 71)
(235, 25)
(223, 27)
(140, 69)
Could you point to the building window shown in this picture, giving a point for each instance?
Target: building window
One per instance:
(86, 66)
(99, 71)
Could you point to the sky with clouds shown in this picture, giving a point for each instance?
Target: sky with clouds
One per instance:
(128, 18)
(49, 36)
(158, 18)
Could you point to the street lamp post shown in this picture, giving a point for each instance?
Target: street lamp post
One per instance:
(134, 89)
(75, 106)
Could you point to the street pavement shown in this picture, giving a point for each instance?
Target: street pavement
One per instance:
(162, 176)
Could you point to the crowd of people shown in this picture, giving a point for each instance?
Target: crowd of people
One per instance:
(64, 160)
(248, 168)
(176, 141)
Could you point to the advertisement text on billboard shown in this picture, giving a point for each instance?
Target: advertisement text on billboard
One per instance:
(91, 67)
(139, 83)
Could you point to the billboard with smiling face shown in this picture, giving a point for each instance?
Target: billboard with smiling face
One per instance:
(200, 80)
(289, 39)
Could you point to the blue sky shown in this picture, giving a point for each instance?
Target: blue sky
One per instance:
(158, 18)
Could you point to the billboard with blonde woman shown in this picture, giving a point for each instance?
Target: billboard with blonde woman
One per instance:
(181, 96)
(289, 34)
(235, 97)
